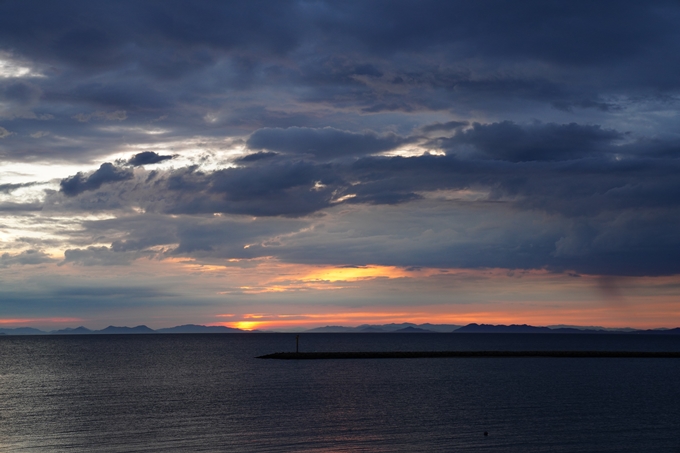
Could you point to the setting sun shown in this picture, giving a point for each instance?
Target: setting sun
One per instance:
(245, 325)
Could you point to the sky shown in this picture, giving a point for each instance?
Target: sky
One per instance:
(294, 164)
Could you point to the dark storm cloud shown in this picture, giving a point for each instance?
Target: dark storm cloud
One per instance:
(592, 187)
(326, 143)
(581, 187)
(287, 188)
(106, 173)
(622, 205)
(228, 238)
(173, 39)
(255, 157)
(277, 188)
(147, 158)
(570, 169)
(121, 95)
(19, 92)
(446, 127)
(568, 106)
(95, 36)
(511, 142)
(97, 256)
(627, 208)
(570, 33)
(336, 62)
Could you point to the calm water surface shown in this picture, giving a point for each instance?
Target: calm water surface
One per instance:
(177, 393)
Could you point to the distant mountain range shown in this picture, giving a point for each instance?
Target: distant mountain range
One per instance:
(486, 328)
(403, 328)
(187, 328)
(365, 328)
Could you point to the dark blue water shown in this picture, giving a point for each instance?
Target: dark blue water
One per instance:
(177, 393)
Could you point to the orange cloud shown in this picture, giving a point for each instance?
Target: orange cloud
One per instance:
(352, 273)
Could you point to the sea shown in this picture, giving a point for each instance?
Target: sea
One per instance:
(209, 393)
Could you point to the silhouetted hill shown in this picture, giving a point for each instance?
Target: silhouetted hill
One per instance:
(392, 327)
(439, 327)
(193, 328)
(382, 327)
(525, 328)
(371, 329)
(411, 329)
(22, 331)
(593, 328)
(332, 329)
(675, 331)
(489, 328)
(577, 330)
(122, 330)
(68, 331)
(187, 328)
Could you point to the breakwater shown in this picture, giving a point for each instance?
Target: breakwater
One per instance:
(466, 354)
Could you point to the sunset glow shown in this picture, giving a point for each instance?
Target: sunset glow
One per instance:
(356, 273)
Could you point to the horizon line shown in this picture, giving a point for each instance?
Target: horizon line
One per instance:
(367, 328)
